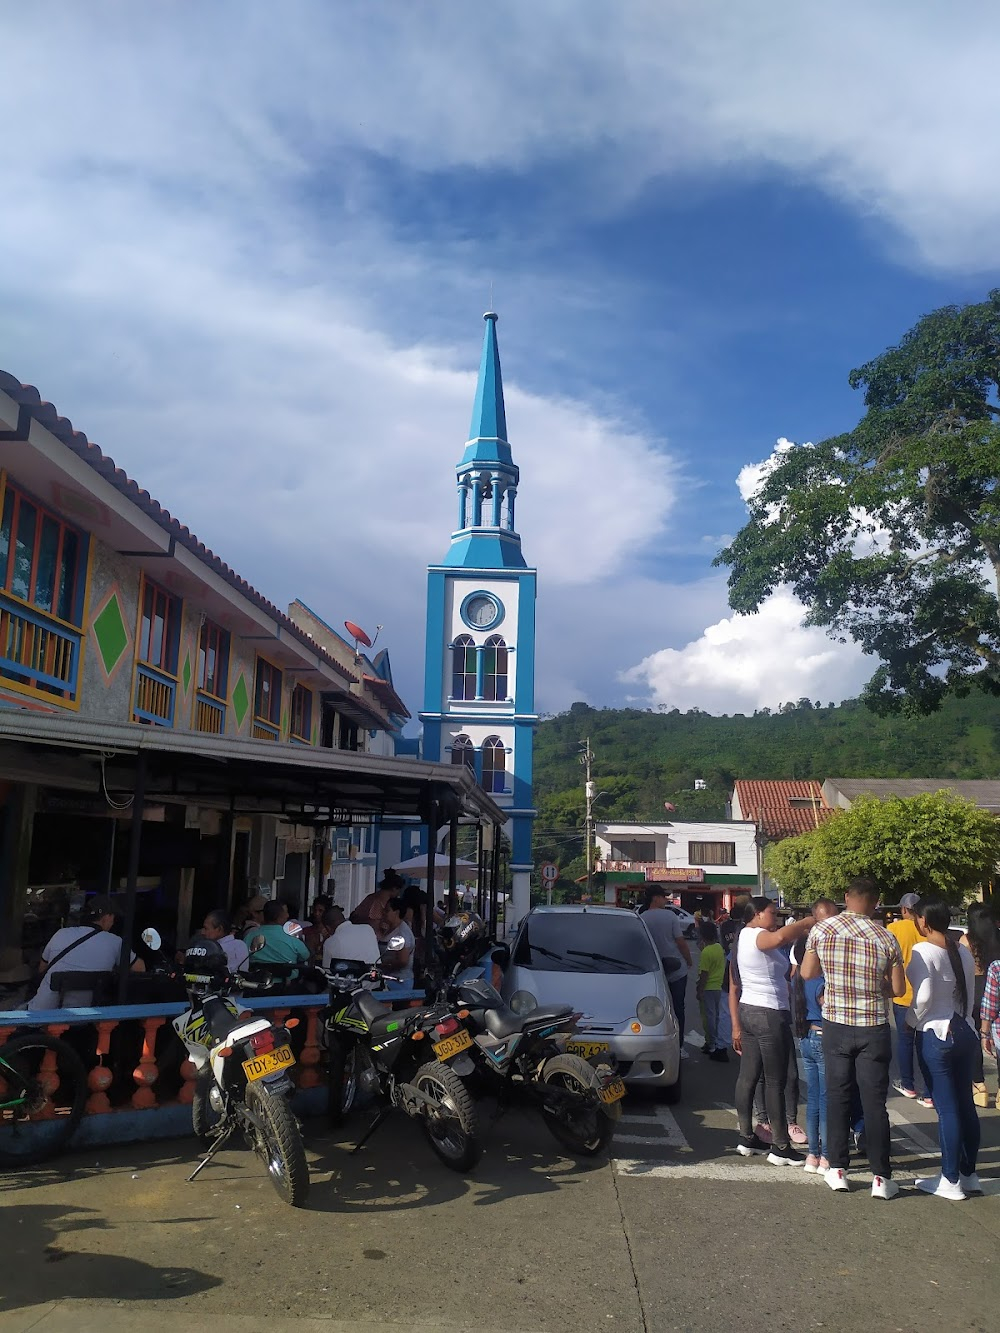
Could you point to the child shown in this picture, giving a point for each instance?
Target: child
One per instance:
(711, 968)
(807, 1023)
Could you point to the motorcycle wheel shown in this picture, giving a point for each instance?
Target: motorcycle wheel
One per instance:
(204, 1119)
(452, 1129)
(277, 1140)
(341, 1079)
(586, 1131)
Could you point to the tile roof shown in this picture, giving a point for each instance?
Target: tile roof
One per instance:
(768, 802)
(32, 404)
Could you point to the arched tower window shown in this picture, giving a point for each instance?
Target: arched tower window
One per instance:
(494, 765)
(495, 668)
(463, 752)
(463, 668)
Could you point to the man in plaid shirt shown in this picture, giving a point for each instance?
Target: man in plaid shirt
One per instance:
(862, 969)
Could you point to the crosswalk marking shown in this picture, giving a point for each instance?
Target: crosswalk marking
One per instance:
(922, 1143)
(671, 1136)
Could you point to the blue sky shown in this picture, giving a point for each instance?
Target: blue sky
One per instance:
(250, 260)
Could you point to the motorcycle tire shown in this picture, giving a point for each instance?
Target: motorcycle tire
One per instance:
(454, 1135)
(203, 1118)
(589, 1130)
(341, 1079)
(35, 1129)
(278, 1141)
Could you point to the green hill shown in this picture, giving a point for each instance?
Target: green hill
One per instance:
(643, 758)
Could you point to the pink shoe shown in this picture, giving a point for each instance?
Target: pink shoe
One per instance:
(763, 1132)
(824, 1166)
(797, 1135)
(811, 1165)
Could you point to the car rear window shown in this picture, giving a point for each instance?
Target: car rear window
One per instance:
(585, 942)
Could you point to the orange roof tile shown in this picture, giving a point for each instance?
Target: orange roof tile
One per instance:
(768, 802)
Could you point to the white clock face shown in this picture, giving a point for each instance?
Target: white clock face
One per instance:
(482, 612)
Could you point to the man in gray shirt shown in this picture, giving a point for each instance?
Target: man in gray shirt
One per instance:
(675, 954)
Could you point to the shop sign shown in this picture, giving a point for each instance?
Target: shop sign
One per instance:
(675, 874)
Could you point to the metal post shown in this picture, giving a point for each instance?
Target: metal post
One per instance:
(494, 873)
(432, 818)
(481, 871)
(452, 870)
(585, 759)
(134, 847)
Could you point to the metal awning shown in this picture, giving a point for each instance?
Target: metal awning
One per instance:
(244, 776)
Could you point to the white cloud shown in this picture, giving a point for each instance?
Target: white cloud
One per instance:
(891, 116)
(746, 662)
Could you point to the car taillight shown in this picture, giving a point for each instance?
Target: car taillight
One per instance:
(447, 1027)
(262, 1041)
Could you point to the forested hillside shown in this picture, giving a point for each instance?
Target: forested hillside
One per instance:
(642, 759)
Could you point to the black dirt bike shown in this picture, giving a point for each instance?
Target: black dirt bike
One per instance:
(530, 1057)
(403, 1059)
(43, 1091)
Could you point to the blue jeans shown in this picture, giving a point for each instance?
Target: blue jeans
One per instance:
(947, 1069)
(811, 1050)
(710, 1003)
(904, 1047)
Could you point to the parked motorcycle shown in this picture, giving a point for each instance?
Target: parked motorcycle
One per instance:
(242, 1084)
(404, 1059)
(534, 1057)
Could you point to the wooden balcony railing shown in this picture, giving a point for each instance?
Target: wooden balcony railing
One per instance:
(209, 714)
(154, 696)
(37, 650)
(264, 731)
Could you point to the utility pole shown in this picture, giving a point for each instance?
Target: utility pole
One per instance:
(586, 758)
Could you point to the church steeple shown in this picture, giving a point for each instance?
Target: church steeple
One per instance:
(485, 537)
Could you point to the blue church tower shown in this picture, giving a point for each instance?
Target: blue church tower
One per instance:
(479, 680)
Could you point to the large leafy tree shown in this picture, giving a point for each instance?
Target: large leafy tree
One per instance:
(890, 534)
(934, 844)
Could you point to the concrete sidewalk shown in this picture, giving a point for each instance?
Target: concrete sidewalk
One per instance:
(90, 1317)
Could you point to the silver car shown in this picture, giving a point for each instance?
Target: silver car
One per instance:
(602, 961)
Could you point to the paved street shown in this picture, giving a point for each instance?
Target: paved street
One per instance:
(677, 1233)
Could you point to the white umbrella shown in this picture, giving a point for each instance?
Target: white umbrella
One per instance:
(416, 868)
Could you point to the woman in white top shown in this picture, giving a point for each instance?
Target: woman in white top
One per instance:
(762, 1028)
(943, 979)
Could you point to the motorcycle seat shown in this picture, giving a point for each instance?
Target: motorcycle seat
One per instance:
(220, 1021)
(371, 1009)
(504, 1022)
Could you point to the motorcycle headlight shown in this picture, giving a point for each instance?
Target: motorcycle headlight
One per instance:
(522, 1002)
(650, 1011)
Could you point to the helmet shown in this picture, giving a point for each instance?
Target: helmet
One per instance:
(461, 931)
(205, 962)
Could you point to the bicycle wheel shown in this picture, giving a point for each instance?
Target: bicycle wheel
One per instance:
(43, 1090)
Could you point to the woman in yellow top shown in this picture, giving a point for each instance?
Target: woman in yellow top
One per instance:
(906, 935)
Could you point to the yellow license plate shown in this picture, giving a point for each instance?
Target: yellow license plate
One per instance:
(587, 1048)
(270, 1062)
(461, 1041)
(612, 1092)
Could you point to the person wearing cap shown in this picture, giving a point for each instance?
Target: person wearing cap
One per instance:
(250, 914)
(90, 947)
(906, 935)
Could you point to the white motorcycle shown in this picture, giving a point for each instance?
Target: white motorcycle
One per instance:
(242, 1059)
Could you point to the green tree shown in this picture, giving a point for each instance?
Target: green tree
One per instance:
(891, 533)
(933, 844)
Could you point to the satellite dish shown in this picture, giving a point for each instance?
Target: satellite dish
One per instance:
(357, 633)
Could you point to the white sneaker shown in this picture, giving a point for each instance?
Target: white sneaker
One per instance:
(836, 1178)
(884, 1188)
(684, 1054)
(941, 1188)
(971, 1184)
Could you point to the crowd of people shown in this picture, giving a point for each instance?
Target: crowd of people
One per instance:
(821, 989)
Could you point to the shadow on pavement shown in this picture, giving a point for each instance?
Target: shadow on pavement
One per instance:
(33, 1232)
(397, 1169)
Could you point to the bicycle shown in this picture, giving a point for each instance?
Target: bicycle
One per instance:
(43, 1090)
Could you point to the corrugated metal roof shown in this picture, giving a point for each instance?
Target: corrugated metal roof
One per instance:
(985, 792)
